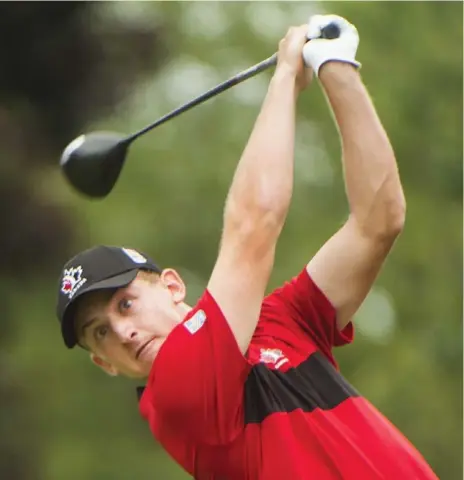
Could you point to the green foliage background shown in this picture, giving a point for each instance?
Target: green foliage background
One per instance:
(66, 420)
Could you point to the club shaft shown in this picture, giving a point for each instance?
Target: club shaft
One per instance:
(329, 32)
(236, 79)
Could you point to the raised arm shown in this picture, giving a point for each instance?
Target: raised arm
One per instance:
(259, 197)
(347, 265)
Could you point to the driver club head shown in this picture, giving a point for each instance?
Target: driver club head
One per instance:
(92, 162)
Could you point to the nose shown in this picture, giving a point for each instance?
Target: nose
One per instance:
(125, 330)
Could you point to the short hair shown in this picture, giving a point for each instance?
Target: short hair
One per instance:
(148, 275)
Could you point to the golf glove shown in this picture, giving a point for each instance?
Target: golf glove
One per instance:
(318, 51)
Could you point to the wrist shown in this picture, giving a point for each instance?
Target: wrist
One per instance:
(285, 78)
(338, 72)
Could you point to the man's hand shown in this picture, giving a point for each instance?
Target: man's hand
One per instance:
(290, 56)
(319, 51)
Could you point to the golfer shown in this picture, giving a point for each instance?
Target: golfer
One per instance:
(243, 385)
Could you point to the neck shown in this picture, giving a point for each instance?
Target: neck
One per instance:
(182, 310)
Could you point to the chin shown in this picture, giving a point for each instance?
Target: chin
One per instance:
(145, 366)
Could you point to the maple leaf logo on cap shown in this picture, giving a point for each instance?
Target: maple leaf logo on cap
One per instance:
(72, 281)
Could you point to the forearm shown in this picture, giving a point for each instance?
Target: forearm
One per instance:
(262, 184)
(372, 181)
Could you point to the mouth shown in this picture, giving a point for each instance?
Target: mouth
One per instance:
(142, 348)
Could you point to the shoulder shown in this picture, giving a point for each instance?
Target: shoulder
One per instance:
(197, 378)
(299, 295)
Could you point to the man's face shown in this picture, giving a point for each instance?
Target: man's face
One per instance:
(124, 329)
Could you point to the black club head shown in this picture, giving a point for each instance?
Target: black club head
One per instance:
(92, 162)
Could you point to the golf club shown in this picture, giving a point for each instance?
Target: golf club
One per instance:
(93, 162)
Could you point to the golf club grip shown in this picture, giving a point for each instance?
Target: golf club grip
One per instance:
(330, 31)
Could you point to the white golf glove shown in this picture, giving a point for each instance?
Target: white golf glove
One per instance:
(318, 51)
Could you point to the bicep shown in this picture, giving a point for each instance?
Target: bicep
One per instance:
(240, 276)
(346, 267)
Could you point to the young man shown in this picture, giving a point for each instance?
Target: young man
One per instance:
(243, 386)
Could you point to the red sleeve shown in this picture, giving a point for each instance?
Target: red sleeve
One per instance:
(198, 376)
(305, 307)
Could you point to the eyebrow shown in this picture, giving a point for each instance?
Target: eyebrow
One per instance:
(86, 325)
(89, 323)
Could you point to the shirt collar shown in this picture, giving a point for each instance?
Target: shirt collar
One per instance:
(139, 391)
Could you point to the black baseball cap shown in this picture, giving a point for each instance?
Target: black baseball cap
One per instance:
(98, 268)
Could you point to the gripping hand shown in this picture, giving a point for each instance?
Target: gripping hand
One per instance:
(318, 51)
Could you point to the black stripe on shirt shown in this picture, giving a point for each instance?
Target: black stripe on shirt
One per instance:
(315, 383)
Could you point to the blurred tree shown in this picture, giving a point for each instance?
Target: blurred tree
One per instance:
(61, 64)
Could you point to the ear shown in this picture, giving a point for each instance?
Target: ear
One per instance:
(104, 365)
(174, 283)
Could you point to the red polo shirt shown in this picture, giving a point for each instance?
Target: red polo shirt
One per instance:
(283, 412)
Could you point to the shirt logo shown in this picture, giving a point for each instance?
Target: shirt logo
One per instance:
(196, 322)
(72, 281)
(272, 356)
